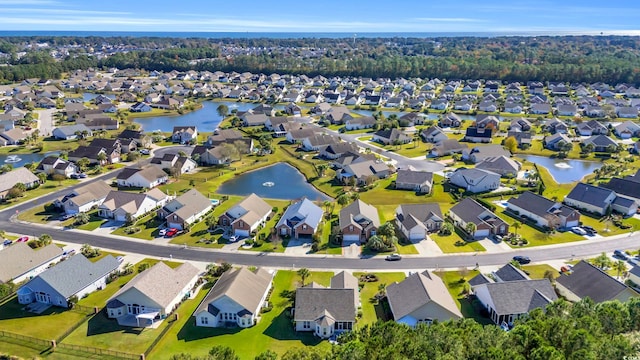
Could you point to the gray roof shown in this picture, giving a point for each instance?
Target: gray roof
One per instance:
(593, 195)
(499, 164)
(150, 173)
(539, 205)
(479, 280)
(20, 258)
(510, 273)
(76, 273)
(241, 285)
(20, 175)
(70, 130)
(412, 214)
(344, 280)
(303, 211)
(600, 141)
(587, 280)
(359, 209)
(418, 290)
(469, 211)
(520, 297)
(161, 283)
(313, 303)
(626, 187)
(414, 177)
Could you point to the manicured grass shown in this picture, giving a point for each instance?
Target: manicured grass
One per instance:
(371, 310)
(33, 351)
(451, 243)
(273, 332)
(606, 228)
(38, 215)
(456, 283)
(148, 226)
(94, 222)
(536, 237)
(48, 326)
(538, 271)
(104, 254)
(46, 188)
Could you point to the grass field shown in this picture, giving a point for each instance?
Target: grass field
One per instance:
(273, 332)
(455, 244)
(456, 283)
(52, 323)
(371, 310)
(538, 271)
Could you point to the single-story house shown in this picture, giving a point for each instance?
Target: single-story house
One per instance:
(503, 165)
(391, 137)
(20, 262)
(556, 141)
(76, 276)
(16, 176)
(433, 134)
(591, 198)
(485, 222)
(84, 198)
(587, 280)
(118, 204)
(184, 134)
(475, 180)
(236, 299)
(545, 212)
(71, 132)
(358, 221)
(185, 209)
(448, 147)
(418, 181)
(146, 177)
(421, 298)
(246, 216)
(301, 218)
(54, 165)
(152, 294)
(601, 143)
(416, 221)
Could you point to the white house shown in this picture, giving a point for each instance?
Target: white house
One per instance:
(146, 177)
(235, 299)
(118, 204)
(591, 198)
(475, 180)
(84, 198)
(152, 294)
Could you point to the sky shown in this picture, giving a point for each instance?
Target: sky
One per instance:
(357, 16)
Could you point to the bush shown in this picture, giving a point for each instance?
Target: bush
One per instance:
(142, 267)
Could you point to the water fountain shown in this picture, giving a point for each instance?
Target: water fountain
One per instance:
(268, 183)
(12, 159)
(563, 165)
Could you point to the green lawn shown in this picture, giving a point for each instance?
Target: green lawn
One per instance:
(537, 271)
(536, 237)
(34, 351)
(274, 331)
(38, 215)
(103, 254)
(46, 188)
(148, 226)
(455, 244)
(371, 310)
(456, 283)
(94, 221)
(49, 325)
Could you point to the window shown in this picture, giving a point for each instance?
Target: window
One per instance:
(350, 227)
(204, 320)
(306, 324)
(304, 227)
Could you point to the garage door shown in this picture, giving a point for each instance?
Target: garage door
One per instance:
(120, 217)
(350, 238)
(572, 223)
(417, 235)
(239, 232)
(482, 233)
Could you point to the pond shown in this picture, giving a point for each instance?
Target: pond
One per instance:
(279, 181)
(18, 160)
(564, 171)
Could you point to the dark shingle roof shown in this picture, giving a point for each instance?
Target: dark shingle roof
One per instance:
(587, 280)
(510, 273)
(520, 297)
(311, 304)
(589, 194)
(623, 187)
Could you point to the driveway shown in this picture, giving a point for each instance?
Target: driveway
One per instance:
(45, 121)
(297, 247)
(108, 227)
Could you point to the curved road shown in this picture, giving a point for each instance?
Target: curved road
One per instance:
(581, 249)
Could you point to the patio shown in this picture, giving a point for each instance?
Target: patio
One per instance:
(141, 320)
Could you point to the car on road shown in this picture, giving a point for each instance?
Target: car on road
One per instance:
(162, 232)
(522, 259)
(393, 257)
(620, 254)
(7, 242)
(23, 239)
(171, 232)
(578, 230)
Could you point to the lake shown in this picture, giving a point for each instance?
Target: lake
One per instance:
(279, 181)
(564, 170)
(19, 160)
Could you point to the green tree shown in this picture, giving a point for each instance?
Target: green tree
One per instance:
(516, 225)
(602, 261)
(511, 144)
(102, 158)
(222, 110)
(83, 164)
(81, 218)
(220, 352)
(620, 267)
(303, 273)
(343, 199)
(470, 228)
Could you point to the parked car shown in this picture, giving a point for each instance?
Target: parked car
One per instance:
(522, 259)
(393, 257)
(162, 232)
(65, 217)
(620, 254)
(590, 228)
(578, 230)
(75, 176)
(82, 175)
(566, 269)
(7, 242)
(120, 259)
(498, 238)
(233, 239)
(171, 232)
(144, 151)
(23, 239)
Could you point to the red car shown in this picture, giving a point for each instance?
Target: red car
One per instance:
(171, 232)
(23, 239)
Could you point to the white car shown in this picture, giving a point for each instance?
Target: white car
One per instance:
(162, 232)
(578, 230)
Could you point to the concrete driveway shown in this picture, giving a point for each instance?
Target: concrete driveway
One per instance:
(45, 121)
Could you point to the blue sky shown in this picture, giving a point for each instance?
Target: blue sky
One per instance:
(586, 16)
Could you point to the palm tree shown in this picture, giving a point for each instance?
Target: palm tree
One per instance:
(620, 267)
(516, 225)
(304, 273)
(470, 228)
(382, 291)
(343, 199)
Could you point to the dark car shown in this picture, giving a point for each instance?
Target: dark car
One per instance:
(7, 242)
(82, 175)
(393, 257)
(74, 176)
(620, 254)
(522, 259)
(589, 229)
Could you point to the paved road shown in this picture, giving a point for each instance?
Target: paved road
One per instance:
(45, 121)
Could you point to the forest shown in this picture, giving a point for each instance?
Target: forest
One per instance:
(583, 330)
(610, 59)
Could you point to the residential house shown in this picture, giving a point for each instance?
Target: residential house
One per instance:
(480, 153)
(475, 180)
(485, 223)
(210, 156)
(54, 165)
(391, 137)
(478, 135)
(433, 134)
(358, 221)
(326, 311)
(590, 198)
(540, 109)
(365, 122)
(509, 273)
(184, 134)
(416, 221)
(364, 171)
(98, 122)
(83, 198)
(509, 300)
(140, 107)
(523, 138)
(450, 120)
(13, 136)
(463, 105)
(421, 298)
(448, 147)
(439, 104)
(246, 216)
(71, 132)
(418, 181)
(152, 294)
(319, 141)
(236, 299)
(76, 276)
(520, 125)
(140, 138)
(146, 177)
(627, 130)
(591, 127)
(223, 136)
(174, 163)
(16, 176)
(556, 141)
(567, 110)
(587, 280)
(627, 112)
(601, 143)
(334, 151)
(185, 210)
(626, 189)
(20, 262)
(556, 126)
(513, 107)
(634, 275)
(544, 212)
(120, 205)
(301, 219)
(503, 165)
(95, 154)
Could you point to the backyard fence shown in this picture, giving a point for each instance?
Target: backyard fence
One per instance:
(161, 335)
(87, 311)
(25, 338)
(97, 351)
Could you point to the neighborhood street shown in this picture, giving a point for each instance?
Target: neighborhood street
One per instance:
(45, 121)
